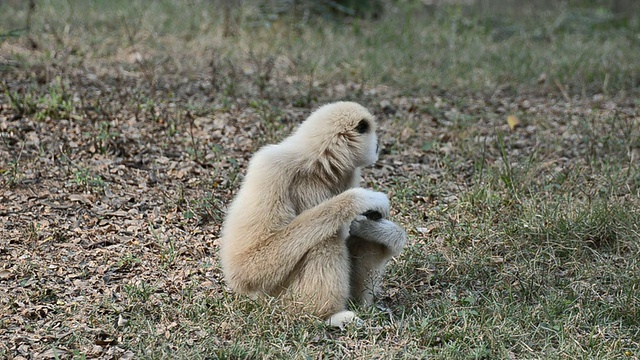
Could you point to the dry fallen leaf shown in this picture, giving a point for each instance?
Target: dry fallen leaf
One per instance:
(5, 274)
(407, 133)
(53, 353)
(83, 198)
(513, 122)
(121, 320)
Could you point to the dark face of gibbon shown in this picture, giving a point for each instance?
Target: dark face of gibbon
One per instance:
(368, 141)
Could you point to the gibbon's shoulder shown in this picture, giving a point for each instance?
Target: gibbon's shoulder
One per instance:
(270, 157)
(272, 163)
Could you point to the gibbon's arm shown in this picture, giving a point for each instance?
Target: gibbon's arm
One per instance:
(277, 255)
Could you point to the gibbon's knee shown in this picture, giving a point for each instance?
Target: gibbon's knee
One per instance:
(380, 231)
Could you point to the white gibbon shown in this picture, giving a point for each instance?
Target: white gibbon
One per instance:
(301, 229)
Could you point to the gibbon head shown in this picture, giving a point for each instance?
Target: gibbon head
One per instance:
(343, 133)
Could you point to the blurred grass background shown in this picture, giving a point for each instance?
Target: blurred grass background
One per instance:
(570, 47)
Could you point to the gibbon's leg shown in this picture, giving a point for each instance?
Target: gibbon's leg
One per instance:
(271, 263)
(367, 263)
(321, 283)
(371, 244)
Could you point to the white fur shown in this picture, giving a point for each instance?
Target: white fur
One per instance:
(342, 319)
(286, 233)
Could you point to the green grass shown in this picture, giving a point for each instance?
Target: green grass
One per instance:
(523, 243)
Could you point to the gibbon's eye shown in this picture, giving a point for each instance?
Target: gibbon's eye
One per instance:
(363, 127)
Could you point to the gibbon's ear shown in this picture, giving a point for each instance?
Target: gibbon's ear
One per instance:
(362, 127)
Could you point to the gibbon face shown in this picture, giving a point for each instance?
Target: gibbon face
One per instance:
(368, 141)
(346, 128)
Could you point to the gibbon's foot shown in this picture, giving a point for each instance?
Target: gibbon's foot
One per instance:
(381, 231)
(357, 225)
(341, 319)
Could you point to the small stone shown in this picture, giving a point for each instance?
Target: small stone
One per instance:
(387, 108)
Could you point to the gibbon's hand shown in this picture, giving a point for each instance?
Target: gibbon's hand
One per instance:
(361, 225)
(372, 202)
